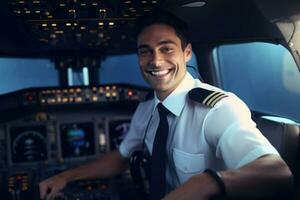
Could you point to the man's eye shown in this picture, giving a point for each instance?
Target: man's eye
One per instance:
(144, 51)
(167, 50)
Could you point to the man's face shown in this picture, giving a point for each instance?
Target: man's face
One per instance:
(162, 59)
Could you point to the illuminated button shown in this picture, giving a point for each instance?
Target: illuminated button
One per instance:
(107, 94)
(53, 100)
(129, 93)
(102, 139)
(65, 100)
(78, 90)
(78, 99)
(114, 94)
(94, 98)
(107, 87)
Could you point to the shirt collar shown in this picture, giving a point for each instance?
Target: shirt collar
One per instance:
(176, 100)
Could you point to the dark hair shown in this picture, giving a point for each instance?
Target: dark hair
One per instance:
(180, 27)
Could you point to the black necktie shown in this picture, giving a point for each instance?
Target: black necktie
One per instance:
(158, 159)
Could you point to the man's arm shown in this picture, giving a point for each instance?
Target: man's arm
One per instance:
(106, 166)
(263, 178)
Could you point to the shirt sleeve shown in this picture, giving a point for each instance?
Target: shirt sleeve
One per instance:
(133, 140)
(230, 129)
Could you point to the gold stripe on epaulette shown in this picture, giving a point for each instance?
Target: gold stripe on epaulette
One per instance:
(217, 100)
(208, 97)
(213, 98)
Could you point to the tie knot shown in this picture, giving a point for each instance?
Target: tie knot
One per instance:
(163, 111)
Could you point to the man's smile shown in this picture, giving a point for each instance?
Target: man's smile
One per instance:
(159, 73)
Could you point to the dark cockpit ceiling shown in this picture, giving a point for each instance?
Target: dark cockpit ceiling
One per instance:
(47, 28)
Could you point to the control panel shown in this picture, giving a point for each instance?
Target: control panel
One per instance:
(42, 142)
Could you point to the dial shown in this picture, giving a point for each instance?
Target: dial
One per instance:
(28, 144)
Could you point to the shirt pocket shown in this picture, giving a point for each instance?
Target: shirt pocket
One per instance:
(187, 164)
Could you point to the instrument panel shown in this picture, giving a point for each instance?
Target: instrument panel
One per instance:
(43, 142)
(28, 144)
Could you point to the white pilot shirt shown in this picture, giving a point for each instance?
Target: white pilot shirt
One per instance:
(200, 137)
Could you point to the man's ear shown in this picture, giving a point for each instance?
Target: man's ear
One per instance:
(188, 52)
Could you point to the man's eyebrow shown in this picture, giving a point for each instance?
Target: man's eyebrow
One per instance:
(160, 43)
(143, 46)
(167, 42)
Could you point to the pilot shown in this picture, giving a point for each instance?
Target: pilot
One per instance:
(200, 140)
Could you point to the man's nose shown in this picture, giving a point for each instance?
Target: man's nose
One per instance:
(157, 59)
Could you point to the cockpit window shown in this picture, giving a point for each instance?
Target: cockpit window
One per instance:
(121, 69)
(264, 75)
(17, 73)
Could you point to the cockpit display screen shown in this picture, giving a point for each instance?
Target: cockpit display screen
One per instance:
(77, 140)
(28, 144)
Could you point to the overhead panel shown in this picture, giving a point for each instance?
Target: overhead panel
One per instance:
(81, 24)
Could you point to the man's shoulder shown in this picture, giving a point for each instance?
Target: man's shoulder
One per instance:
(207, 95)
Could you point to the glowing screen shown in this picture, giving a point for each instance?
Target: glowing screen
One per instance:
(77, 139)
(28, 144)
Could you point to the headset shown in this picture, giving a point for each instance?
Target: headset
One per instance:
(140, 165)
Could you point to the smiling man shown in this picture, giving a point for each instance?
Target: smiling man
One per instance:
(162, 58)
(200, 139)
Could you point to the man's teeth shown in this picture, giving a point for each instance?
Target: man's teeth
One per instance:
(159, 73)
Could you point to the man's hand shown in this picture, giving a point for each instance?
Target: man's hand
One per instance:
(51, 186)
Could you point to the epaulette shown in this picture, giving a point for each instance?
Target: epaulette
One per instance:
(148, 96)
(206, 97)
